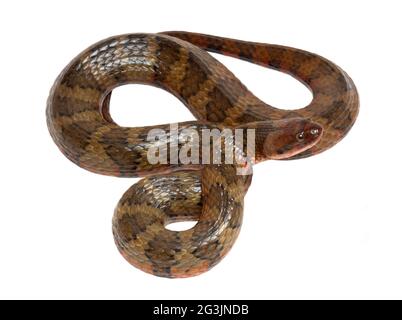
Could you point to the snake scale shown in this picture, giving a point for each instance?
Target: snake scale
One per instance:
(79, 122)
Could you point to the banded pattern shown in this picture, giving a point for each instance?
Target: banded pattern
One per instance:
(79, 122)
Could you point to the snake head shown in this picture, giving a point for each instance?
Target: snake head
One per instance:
(290, 137)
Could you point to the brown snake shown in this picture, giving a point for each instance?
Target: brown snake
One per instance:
(80, 124)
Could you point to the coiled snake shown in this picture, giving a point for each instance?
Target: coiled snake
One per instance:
(80, 124)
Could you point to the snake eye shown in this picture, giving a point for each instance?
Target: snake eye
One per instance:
(300, 136)
(314, 132)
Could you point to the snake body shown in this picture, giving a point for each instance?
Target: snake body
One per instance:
(80, 124)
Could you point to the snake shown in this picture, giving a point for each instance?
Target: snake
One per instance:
(212, 194)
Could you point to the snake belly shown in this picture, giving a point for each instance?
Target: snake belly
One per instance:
(79, 122)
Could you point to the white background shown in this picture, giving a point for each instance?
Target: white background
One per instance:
(329, 226)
